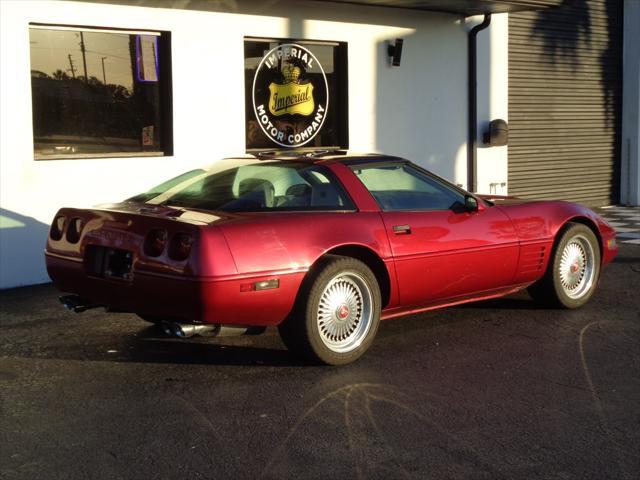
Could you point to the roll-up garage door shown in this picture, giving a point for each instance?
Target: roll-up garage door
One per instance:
(565, 90)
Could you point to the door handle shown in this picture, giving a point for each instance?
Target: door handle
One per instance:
(402, 229)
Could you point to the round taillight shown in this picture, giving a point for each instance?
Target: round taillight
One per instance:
(57, 228)
(155, 242)
(180, 247)
(74, 230)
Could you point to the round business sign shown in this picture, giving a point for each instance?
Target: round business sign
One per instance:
(290, 95)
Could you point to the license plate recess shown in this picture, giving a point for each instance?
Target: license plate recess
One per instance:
(106, 262)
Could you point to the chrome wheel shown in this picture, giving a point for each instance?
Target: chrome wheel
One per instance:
(345, 312)
(577, 267)
(337, 312)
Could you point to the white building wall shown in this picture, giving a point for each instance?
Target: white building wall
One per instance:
(493, 102)
(417, 110)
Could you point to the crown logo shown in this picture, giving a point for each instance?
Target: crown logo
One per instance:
(291, 73)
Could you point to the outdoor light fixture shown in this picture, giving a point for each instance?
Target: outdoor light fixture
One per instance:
(394, 50)
(498, 133)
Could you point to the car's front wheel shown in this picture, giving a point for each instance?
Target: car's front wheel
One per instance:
(573, 271)
(337, 312)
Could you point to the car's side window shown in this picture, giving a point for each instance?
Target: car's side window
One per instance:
(399, 186)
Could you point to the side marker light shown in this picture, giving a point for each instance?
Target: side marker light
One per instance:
(267, 284)
(262, 285)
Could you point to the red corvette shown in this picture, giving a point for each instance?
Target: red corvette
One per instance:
(323, 246)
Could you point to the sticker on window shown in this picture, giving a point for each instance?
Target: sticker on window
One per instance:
(147, 136)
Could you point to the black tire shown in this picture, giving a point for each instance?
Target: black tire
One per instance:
(335, 336)
(573, 271)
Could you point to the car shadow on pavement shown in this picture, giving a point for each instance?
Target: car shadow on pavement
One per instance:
(40, 329)
(99, 339)
(152, 346)
(516, 301)
(627, 259)
(505, 303)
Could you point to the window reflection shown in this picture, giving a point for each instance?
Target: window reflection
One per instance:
(95, 92)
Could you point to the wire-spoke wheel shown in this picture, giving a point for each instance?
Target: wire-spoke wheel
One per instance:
(344, 312)
(572, 275)
(576, 267)
(337, 312)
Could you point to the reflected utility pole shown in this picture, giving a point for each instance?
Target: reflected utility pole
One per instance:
(104, 75)
(84, 57)
(73, 69)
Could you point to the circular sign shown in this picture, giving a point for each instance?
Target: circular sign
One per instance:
(290, 95)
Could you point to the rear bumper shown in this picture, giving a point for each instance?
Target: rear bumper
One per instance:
(176, 297)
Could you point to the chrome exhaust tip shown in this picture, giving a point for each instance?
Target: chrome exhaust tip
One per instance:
(188, 330)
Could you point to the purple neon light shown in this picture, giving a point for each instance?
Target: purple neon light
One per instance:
(139, 62)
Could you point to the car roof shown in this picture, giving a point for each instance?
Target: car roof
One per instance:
(325, 156)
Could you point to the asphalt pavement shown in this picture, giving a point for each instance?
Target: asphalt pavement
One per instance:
(493, 390)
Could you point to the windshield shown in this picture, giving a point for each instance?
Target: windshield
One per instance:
(252, 186)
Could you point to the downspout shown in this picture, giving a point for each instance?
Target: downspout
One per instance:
(472, 140)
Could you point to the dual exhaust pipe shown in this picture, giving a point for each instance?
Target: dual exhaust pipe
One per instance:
(78, 304)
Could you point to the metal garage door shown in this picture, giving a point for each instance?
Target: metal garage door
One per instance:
(565, 90)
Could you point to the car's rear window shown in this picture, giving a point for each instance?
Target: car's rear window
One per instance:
(253, 186)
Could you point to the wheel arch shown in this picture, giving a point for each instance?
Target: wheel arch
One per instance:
(586, 222)
(547, 290)
(367, 256)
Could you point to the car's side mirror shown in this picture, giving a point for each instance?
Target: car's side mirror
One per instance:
(470, 203)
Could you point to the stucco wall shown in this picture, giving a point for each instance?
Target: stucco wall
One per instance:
(493, 102)
(417, 110)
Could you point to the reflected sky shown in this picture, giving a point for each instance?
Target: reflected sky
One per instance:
(58, 50)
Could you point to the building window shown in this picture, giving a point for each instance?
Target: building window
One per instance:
(100, 93)
(295, 94)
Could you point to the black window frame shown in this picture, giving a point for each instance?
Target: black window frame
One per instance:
(165, 80)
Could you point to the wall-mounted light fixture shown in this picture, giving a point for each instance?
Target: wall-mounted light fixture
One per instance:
(498, 133)
(394, 50)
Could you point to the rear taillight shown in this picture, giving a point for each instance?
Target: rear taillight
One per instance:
(180, 247)
(74, 230)
(57, 228)
(155, 242)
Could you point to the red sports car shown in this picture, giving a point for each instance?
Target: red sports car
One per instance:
(323, 246)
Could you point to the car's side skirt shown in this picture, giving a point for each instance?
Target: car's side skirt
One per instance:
(450, 302)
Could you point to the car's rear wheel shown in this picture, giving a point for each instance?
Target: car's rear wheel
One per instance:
(573, 271)
(337, 312)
